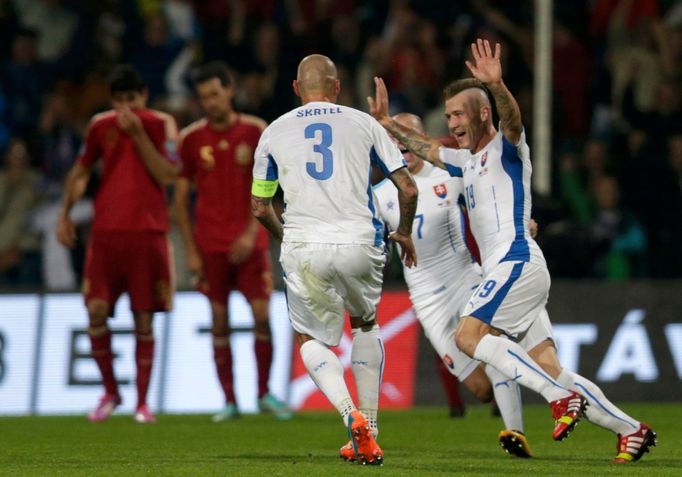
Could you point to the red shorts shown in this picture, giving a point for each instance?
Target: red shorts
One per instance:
(253, 278)
(137, 262)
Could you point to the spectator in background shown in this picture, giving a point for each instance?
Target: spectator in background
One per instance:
(666, 240)
(61, 139)
(54, 24)
(24, 81)
(19, 258)
(618, 237)
(9, 24)
(154, 56)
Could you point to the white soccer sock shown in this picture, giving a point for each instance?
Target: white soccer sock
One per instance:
(326, 371)
(513, 362)
(507, 397)
(601, 411)
(367, 362)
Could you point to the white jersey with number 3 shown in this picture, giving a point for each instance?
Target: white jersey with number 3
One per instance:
(497, 192)
(321, 153)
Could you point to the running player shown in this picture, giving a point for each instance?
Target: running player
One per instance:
(442, 284)
(229, 248)
(332, 247)
(128, 250)
(495, 169)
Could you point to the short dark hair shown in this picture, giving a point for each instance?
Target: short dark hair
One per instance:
(124, 78)
(214, 69)
(460, 85)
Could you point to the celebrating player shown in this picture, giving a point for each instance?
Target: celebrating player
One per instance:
(440, 287)
(332, 248)
(229, 248)
(128, 250)
(495, 169)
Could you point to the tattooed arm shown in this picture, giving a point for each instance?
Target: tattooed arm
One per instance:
(488, 70)
(261, 207)
(417, 143)
(407, 199)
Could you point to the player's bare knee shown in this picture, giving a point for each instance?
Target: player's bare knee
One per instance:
(98, 312)
(465, 341)
(261, 329)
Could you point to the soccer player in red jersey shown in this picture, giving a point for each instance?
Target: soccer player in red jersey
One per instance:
(128, 250)
(228, 248)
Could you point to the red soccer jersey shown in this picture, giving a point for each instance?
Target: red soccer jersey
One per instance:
(220, 163)
(128, 197)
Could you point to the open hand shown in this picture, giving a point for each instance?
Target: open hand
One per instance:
(408, 254)
(378, 106)
(487, 68)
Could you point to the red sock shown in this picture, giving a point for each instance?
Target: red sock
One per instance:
(222, 355)
(144, 356)
(101, 353)
(264, 360)
(450, 384)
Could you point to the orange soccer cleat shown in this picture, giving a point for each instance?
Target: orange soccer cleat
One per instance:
(365, 447)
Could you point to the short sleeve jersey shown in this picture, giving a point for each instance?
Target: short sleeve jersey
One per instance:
(322, 154)
(220, 163)
(438, 231)
(128, 197)
(497, 191)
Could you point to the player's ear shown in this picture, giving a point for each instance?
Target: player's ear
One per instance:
(337, 87)
(485, 113)
(296, 90)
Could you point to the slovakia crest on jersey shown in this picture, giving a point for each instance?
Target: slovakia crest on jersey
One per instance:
(440, 190)
(484, 158)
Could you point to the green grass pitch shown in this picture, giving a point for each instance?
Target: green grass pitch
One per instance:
(423, 441)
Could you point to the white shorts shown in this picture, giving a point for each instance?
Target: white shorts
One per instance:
(510, 297)
(324, 280)
(439, 316)
(539, 331)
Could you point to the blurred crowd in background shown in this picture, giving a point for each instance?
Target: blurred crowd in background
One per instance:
(615, 210)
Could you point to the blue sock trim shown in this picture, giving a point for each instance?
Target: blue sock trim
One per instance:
(539, 372)
(594, 398)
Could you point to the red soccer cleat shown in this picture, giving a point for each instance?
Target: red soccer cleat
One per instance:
(366, 449)
(105, 408)
(566, 413)
(632, 447)
(144, 416)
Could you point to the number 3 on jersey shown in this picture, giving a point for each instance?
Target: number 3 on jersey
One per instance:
(321, 148)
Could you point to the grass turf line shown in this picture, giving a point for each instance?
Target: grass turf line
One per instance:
(423, 441)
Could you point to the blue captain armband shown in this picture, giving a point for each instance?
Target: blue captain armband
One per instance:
(264, 188)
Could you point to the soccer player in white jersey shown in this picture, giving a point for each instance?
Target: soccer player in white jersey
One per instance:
(332, 248)
(495, 169)
(442, 284)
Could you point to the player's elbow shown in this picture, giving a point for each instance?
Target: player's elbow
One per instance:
(410, 191)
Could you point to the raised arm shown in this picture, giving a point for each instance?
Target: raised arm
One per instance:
(163, 171)
(488, 70)
(417, 143)
(407, 200)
